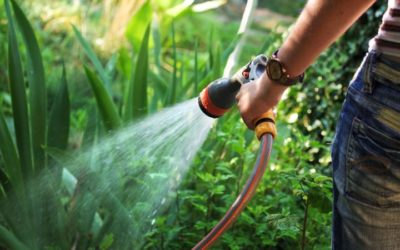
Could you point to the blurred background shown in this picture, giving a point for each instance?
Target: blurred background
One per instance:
(167, 51)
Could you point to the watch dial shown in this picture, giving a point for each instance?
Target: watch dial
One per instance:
(275, 70)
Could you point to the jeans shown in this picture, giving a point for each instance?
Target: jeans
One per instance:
(366, 159)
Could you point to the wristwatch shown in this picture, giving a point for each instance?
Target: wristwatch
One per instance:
(276, 71)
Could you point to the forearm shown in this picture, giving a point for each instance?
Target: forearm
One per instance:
(319, 25)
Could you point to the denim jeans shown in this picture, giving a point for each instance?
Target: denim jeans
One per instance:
(366, 159)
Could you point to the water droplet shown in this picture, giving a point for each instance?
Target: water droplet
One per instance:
(145, 161)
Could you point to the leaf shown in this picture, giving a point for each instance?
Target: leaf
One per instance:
(111, 65)
(18, 97)
(107, 242)
(319, 200)
(37, 87)
(106, 107)
(159, 86)
(4, 181)
(91, 130)
(93, 58)
(217, 66)
(136, 105)
(59, 119)
(196, 67)
(229, 49)
(7, 148)
(58, 155)
(138, 25)
(96, 225)
(175, 67)
(210, 48)
(124, 63)
(183, 86)
(92, 134)
(9, 239)
(157, 44)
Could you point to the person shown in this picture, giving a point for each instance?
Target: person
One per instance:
(366, 147)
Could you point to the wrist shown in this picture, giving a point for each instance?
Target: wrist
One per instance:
(270, 88)
(277, 72)
(292, 67)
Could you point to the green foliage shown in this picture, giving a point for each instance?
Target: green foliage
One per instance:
(20, 166)
(57, 208)
(146, 88)
(136, 104)
(10, 240)
(19, 100)
(275, 216)
(139, 25)
(37, 89)
(59, 117)
(93, 58)
(164, 63)
(292, 208)
(12, 169)
(107, 109)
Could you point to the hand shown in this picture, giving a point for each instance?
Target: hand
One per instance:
(257, 97)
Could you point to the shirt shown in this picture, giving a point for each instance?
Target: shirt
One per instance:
(387, 40)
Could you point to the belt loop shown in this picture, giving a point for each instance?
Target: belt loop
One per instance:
(369, 71)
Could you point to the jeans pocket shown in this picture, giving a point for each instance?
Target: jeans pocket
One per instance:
(373, 166)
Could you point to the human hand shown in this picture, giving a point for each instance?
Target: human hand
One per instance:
(257, 97)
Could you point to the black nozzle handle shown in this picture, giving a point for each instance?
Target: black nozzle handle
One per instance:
(222, 92)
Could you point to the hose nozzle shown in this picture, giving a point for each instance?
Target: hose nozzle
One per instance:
(219, 96)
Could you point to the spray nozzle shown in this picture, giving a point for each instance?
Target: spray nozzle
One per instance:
(219, 96)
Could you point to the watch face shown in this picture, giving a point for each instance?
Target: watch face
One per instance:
(274, 70)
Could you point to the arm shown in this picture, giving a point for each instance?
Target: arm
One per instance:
(319, 25)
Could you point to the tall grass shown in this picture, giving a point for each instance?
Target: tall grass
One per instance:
(150, 88)
(25, 158)
(34, 212)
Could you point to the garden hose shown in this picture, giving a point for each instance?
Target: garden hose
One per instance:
(215, 100)
(266, 132)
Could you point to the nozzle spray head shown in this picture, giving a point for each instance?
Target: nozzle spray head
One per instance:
(219, 96)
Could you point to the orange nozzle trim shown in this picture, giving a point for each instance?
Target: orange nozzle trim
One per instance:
(266, 124)
(208, 106)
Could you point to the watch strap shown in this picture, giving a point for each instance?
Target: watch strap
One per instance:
(287, 79)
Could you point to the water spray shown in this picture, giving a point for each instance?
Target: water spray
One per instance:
(215, 100)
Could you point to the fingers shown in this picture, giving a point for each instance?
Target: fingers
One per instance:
(255, 98)
(249, 123)
(247, 115)
(243, 103)
(237, 97)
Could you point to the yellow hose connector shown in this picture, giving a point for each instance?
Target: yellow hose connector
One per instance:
(266, 124)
